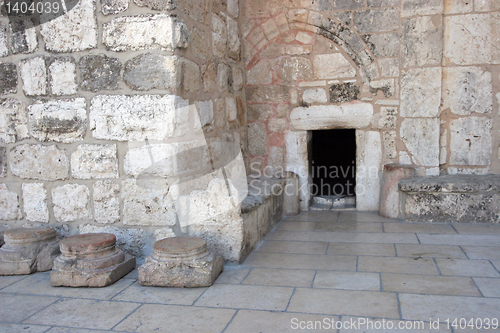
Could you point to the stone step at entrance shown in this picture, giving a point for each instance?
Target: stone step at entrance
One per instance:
(90, 260)
(28, 250)
(180, 262)
(333, 202)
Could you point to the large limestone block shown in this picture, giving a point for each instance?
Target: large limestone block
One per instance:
(34, 75)
(13, 123)
(368, 160)
(99, 72)
(421, 7)
(141, 32)
(390, 197)
(71, 203)
(39, 162)
(180, 262)
(332, 66)
(9, 204)
(297, 161)
(28, 250)
(422, 41)
(92, 161)
(62, 76)
(421, 137)
(90, 260)
(421, 92)
(35, 202)
(8, 78)
(348, 115)
(467, 89)
(106, 202)
(471, 141)
(153, 71)
(472, 39)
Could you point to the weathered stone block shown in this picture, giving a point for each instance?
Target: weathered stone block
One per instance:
(233, 8)
(157, 4)
(35, 202)
(3, 162)
(74, 31)
(233, 39)
(390, 197)
(4, 45)
(376, 20)
(180, 262)
(471, 141)
(106, 201)
(9, 204)
(311, 96)
(58, 120)
(257, 139)
(192, 76)
(141, 117)
(421, 137)
(388, 117)
(223, 77)
(421, 7)
(205, 113)
(421, 92)
(387, 87)
(152, 71)
(231, 111)
(219, 36)
(467, 90)
(23, 36)
(99, 72)
(344, 92)
(39, 162)
(368, 170)
(147, 204)
(62, 76)
(472, 39)
(260, 73)
(71, 203)
(265, 94)
(486, 5)
(28, 250)
(349, 115)
(332, 66)
(90, 260)
(421, 41)
(277, 125)
(383, 45)
(34, 75)
(109, 7)
(259, 112)
(8, 78)
(141, 32)
(92, 161)
(389, 67)
(14, 125)
(294, 69)
(348, 4)
(238, 79)
(197, 42)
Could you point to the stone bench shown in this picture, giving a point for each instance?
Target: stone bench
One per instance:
(452, 198)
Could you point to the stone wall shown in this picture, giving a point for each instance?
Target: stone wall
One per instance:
(417, 79)
(123, 116)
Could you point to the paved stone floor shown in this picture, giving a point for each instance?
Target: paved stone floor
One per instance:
(313, 269)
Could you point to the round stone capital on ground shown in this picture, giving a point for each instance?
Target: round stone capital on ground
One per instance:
(180, 248)
(86, 244)
(28, 235)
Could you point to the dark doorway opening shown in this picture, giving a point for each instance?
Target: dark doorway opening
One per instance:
(333, 162)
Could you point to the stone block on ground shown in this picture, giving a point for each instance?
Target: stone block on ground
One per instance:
(390, 197)
(28, 250)
(90, 260)
(180, 262)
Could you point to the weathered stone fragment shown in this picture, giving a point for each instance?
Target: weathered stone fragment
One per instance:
(91, 161)
(231, 111)
(148, 203)
(388, 117)
(471, 141)
(157, 4)
(233, 8)
(390, 197)
(472, 39)
(28, 250)
(74, 31)
(62, 76)
(58, 120)
(389, 141)
(180, 262)
(4, 48)
(13, 126)
(332, 66)
(205, 113)
(23, 36)
(34, 76)
(8, 78)
(376, 20)
(39, 162)
(90, 260)
(421, 92)
(9, 204)
(35, 202)
(295, 68)
(257, 139)
(467, 90)
(109, 7)
(344, 92)
(71, 203)
(141, 32)
(233, 39)
(421, 41)
(106, 201)
(99, 72)
(141, 117)
(152, 71)
(349, 115)
(421, 137)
